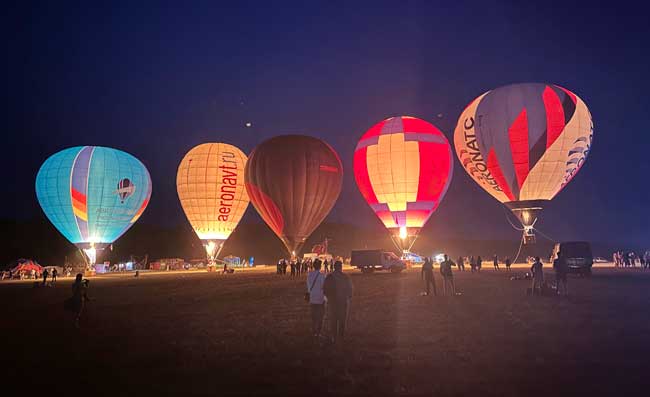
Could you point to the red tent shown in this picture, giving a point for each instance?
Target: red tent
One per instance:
(26, 265)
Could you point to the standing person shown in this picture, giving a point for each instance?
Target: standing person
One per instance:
(496, 262)
(284, 267)
(298, 264)
(427, 276)
(53, 277)
(538, 275)
(508, 263)
(77, 302)
(472, 263)
(45, 274)
(327, 265)
(293, 268)
(338, 290)
(315, 282)
(479, 263)
(561, 270)
(461, 264)
(447, 276)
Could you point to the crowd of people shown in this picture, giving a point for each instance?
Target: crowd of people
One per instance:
(631, 259)
(475, 263)
(33, 274)
(298, 267)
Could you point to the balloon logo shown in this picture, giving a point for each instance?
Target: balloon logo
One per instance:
(293, 182)
(403, 167)
(523, 143)
(76, 190)
(125, 189)
(210, 186)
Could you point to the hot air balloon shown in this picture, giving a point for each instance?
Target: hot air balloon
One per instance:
(523, 143)
(125, 189)
(403, 167)
(210, 186)
(293, 182)
(76, 189)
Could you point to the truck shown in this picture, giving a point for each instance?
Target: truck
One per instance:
(371, 260)
(578, 256)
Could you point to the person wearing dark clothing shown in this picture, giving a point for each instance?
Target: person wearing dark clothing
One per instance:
(427, 276)
(45, 274)
(77, 302)
(496, 262)
(472, 263)
(327, 265)
(479, 263)
(298, 267)
(508, 263)
(293, 269)
(53, 277)
(338, 290)
(447, 276)
(284, 266)
(538, 275)
(461, 264)
(561, 270)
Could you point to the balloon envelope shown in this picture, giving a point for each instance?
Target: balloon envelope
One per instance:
(524, 141)
(403, 167)
(293, 182)
(84, 193)
(210, 186)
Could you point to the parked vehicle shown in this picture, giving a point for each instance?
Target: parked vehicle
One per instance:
(578, 256)
(371, 260)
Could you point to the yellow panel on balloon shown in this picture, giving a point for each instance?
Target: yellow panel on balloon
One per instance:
(394, 169)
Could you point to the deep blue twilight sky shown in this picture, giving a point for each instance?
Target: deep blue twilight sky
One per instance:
(157, 79)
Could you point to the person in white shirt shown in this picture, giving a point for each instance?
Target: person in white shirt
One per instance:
(315, 280)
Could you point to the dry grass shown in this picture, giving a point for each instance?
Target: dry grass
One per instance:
(201, 333)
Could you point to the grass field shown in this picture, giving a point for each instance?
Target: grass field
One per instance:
(247, 333)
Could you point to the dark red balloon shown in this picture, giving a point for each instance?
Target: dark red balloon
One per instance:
(293, 182)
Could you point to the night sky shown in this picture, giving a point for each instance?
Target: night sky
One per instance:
(156, 80)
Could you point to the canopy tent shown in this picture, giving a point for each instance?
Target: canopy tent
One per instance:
(27, 265)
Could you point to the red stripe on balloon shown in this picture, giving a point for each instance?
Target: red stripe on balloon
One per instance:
(77, 195)
(495, 170)
(518, 135)
(267, 209)
(413, 125)
(361, 175)
(554, 115)
(434, 170)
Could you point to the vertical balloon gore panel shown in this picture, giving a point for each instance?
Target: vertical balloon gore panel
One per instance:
(93, 194)
(293, 182)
